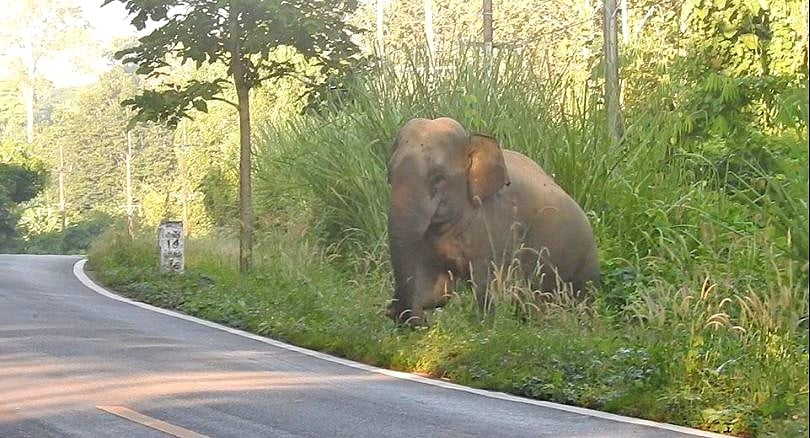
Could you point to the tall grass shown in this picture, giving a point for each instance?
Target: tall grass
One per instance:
(651, 212)
(338, 157)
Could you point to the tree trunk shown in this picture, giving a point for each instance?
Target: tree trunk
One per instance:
(243, 99)
(245, 203)
(612, 85)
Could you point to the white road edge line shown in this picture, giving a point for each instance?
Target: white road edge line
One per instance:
(78, 271)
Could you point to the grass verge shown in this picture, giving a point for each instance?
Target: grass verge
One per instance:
(685, 363)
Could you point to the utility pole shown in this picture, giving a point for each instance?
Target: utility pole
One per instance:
(62, 204)
(612, 85)
(429, 35)
(487, 29)
(380, 30)
(184, 195)
(183, 168)
(129, 208)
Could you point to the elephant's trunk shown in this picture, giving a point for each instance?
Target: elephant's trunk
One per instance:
(410, 213)
(409, 217)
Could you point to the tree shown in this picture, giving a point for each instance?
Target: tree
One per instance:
(33, 30)
(717, 71)
(243, 35)
(89, 132)
(17, 184)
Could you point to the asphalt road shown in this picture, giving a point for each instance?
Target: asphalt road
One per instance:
(76, 363)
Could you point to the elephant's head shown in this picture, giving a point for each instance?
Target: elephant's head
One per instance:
(439, 175)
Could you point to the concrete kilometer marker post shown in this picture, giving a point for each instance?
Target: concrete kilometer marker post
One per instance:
(170, 245)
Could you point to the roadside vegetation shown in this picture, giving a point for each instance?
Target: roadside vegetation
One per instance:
(700, 212)
(702, 320)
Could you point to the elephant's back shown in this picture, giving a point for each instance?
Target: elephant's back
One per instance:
(554, 220)
(525, 174)
(534, 191)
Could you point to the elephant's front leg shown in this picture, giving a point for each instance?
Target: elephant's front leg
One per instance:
(439, 293)
(419, 285)
(429, 290)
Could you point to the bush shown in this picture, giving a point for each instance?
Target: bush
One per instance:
(75, 239)
(18, 184)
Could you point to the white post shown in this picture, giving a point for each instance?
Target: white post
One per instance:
(170, 244)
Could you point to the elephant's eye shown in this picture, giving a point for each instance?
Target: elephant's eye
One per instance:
(437, 181)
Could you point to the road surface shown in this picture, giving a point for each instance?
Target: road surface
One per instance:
(75, 363)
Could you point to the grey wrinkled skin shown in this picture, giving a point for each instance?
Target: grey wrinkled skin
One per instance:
(460, 205)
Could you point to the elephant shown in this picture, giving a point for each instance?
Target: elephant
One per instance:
(461, 205)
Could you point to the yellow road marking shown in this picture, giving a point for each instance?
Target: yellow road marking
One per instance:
(148, 421)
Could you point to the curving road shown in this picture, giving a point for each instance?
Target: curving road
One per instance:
(75, 363)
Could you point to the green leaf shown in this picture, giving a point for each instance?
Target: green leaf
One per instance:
(200, 105)
(753, 6)
(728, 30)
(750, 40)
(720, 125)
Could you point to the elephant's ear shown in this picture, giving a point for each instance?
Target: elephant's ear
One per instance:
(391, 149)
(486, 171)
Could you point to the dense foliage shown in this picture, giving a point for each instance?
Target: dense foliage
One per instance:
(18, 184)
(241, 35)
